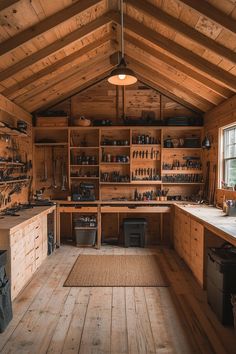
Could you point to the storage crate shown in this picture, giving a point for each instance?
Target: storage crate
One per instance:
(135, 232)
(51, 121)
(221, 282)
(85, 236)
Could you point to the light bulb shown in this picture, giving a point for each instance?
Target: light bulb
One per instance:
(122, 76)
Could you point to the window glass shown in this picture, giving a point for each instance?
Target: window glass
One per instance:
(229, 154)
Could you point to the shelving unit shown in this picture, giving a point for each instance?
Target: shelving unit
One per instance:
(120, 161)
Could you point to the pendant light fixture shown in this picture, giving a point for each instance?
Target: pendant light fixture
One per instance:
(122, 75)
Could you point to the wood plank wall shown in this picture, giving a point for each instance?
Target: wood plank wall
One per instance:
(25, 149)
(218, 117)
(104, 101)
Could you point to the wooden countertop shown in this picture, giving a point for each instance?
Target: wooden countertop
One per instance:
(12, 222)
(214, 220)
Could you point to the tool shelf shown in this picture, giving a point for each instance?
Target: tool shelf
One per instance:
(146, 152)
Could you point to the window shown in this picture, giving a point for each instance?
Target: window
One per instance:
(229, 156)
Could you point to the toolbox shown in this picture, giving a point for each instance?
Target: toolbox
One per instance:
(221, 282)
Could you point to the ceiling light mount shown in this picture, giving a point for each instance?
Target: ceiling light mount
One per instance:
(122, 75)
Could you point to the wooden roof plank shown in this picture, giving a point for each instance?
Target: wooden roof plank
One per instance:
(63, 77)
(58, 64)
(170, 85)
(4, 4)
(56, 46)
(181, 27)
(206, 9)
(92, 71)
(13, 109)
(222, 91)
(77, 90)
(46, 25)
(212, 71)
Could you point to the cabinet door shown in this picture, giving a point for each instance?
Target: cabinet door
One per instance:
(197, 250)
(185, 237)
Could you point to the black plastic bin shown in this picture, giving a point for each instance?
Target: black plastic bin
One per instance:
(221, 282)
(5, 294)
(134, 232)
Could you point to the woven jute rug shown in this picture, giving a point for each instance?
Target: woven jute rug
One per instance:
(116, 271)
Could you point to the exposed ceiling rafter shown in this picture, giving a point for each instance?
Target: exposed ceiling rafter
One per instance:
(78, 34)
(180, 52)
(49, 23)
(57, 65)
(180, 27)
(206, 9)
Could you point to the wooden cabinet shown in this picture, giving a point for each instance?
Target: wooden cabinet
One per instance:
(26, 246)
(189, 242)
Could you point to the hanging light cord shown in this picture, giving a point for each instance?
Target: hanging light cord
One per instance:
(122, 27)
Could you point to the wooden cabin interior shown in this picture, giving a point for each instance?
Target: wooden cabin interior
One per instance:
(118, 201)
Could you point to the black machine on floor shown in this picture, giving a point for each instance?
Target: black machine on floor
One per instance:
(134, 232)
(5, 294)
(221, 281)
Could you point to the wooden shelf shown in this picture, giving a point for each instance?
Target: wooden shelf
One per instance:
(115, 163)
(115, 146)
(145, 145)
(50, 128)
(84, 165)
(14, 181)
(80, 177)
(183, 183)
(8, 163)
(182, 148)
(85, 228)
(146, 182)
(119, 183)
(50, 144)
(176, 172)
(12, 132)
(84, 147)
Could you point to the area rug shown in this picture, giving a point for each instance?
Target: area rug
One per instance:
(116, 271)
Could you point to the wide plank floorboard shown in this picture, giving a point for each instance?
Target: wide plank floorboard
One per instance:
(50, 318)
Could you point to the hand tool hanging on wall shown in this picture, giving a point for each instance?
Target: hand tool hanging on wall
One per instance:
(64, 177)
(54, 169)
(45, 171)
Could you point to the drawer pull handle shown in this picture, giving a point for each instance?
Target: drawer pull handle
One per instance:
(37, 248)
(36, 237)
(37, 227)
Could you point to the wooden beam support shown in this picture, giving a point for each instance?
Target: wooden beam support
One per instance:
(207, 10)
(180, 52)
(168, 84)
(4, 4)
(13, 109)
(78, 34)
(77, 90)
(57, 65)
(64, 77)
(47, 24)
(222, 91)
(185, 30)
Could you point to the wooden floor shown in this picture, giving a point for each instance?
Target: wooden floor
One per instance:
(50, 318)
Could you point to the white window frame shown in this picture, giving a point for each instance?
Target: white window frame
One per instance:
(221, 159)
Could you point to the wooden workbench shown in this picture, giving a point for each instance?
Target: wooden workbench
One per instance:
(113, 208)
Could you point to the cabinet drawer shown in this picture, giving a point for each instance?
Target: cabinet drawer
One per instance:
(16, 237)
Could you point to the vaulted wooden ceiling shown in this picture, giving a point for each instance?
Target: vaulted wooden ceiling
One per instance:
(52, 49)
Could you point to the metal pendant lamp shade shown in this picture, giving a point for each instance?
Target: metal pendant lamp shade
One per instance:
(122, 75)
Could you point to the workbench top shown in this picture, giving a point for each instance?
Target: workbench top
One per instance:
(214, 219)
(12, 222)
